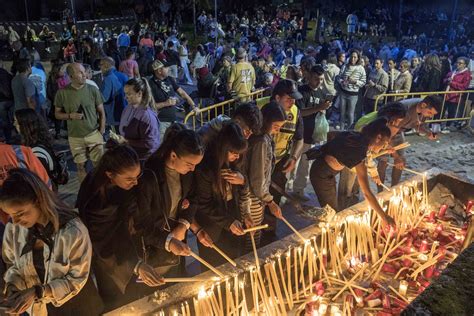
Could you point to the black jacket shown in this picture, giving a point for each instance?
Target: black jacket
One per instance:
(153, 204)
(107, 220)
(214, 214)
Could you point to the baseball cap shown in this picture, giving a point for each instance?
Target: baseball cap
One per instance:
(157, 64)
(288, 87)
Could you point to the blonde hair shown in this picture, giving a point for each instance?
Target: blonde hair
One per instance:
(142, 85)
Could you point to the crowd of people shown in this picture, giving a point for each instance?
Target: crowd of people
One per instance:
(147, 180)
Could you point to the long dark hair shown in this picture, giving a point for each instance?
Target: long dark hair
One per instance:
(33, 129)
(178, 139)
(272, 112)
(23, 186)
(376, 128)
(229, 139)
(116, 159)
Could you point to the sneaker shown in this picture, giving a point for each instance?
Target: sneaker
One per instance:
(338, 127)
(445, 130)
(410, 132)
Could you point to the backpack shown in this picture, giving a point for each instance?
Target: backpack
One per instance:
(60, 174)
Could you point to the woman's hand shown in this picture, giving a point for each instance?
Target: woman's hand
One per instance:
(236, 228)
(248, 221)
(389, 223)
(149, 275)
(233, 177)
(179, 248)
(275, 209)
(377, 180)
(179, 232)
(204, 238)
(20, 301)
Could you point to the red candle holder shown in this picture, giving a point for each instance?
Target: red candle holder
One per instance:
(442, 210)
(469, 205)
(424, 246)
(429, 272)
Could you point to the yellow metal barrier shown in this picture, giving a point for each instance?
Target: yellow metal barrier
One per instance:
(204, 115)
(464, 97)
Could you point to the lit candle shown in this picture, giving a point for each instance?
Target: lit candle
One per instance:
(323, 308)
(442, 210)
(402, 289)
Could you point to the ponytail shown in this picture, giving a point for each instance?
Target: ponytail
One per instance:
(178, 139)
(142, 85)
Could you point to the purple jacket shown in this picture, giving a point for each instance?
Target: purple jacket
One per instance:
(141, 128)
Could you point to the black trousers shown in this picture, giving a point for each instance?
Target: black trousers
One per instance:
(280, 179)
(323, 179)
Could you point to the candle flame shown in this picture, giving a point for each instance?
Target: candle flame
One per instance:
(202, 293)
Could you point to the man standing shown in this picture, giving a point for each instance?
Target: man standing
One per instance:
(164, 89)
(376, 85)
(172, 57)
(288, 142)
(418, 111)
(123, 42)
(315, 101)
(112, 92)
(393, 73)
(81, 105)
(24, 90)
(242, 77)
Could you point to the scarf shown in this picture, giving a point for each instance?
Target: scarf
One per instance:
(46, 233)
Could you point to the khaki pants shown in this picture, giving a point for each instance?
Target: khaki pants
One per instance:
(84, 148)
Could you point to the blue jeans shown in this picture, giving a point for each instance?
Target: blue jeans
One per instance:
(348, 105)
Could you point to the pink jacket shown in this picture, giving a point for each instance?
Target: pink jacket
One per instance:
(459, 82)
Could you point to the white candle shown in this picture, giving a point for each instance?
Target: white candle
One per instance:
(403, 287)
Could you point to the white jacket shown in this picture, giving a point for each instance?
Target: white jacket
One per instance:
(66, 272)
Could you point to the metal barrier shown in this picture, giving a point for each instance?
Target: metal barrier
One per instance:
(463, 115)
(204, 115)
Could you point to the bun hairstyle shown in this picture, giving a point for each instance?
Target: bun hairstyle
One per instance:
(177, 139)
(142, 85)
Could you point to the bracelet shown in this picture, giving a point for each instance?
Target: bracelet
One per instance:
(198, 231)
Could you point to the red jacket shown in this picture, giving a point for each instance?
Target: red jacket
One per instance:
(459, 82)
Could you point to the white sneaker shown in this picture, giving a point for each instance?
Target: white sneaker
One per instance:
(338, 127)
(445, 131)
